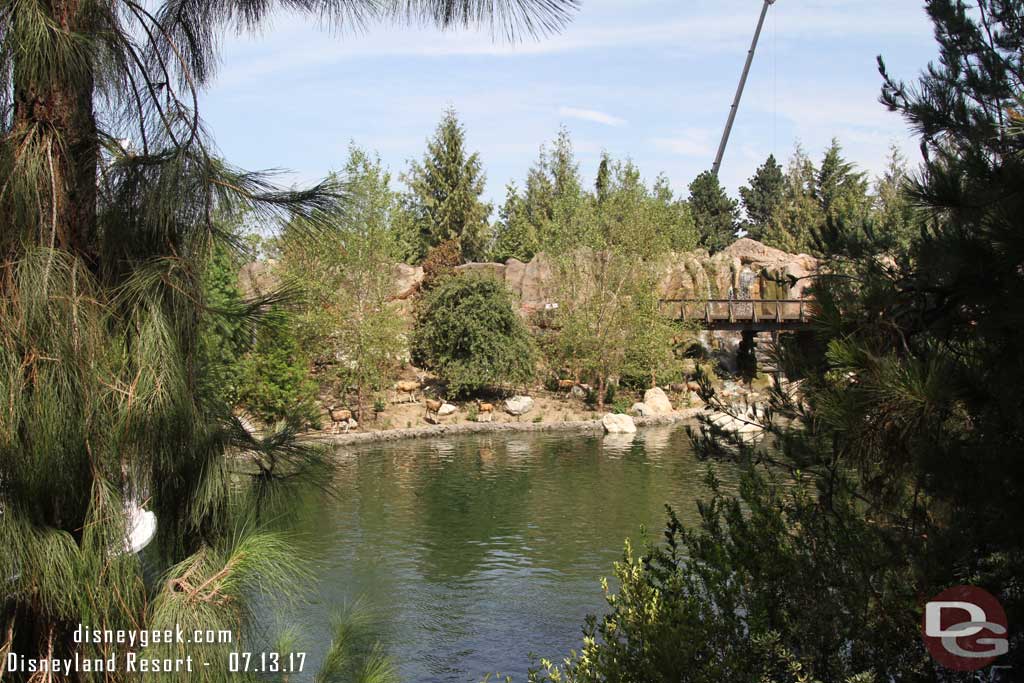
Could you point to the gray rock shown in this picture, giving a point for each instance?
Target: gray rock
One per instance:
(617, 423)
(657, 402)
(446, 409)
(518, 405)
(640, 410)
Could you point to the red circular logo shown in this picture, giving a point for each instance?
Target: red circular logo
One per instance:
(965, 628)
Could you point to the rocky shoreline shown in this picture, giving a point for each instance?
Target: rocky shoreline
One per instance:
(492, 427)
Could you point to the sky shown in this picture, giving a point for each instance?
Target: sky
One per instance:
(649, 80)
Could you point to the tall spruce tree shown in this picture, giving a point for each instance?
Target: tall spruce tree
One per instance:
(763, 196)
(109, 191)
(445, 190)
(514, 235)
(715, 214)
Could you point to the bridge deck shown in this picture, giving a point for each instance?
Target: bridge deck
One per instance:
(761, 315)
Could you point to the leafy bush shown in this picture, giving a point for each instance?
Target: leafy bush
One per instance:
(469, 334)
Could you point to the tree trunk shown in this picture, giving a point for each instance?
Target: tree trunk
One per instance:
(58, 117)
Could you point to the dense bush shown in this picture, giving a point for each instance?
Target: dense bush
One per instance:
(274, 379)
(468, 332)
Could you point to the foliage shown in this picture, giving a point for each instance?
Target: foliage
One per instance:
(109, 193)
(554, 198)
(747, 596)
(444, 192)
(440, 264)
(889, 473)
(514, 235)
(715, 214)
(468, 332)
(224, 338)
(274, 380)
(349, 323)
(763, 196)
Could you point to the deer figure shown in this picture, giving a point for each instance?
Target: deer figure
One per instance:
(485, 411)
(409, 388)
(433, 406)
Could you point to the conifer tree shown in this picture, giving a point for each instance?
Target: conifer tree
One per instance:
(514, 235)
(445, 190)
(714, 213)
(763, 196)
(110, 186)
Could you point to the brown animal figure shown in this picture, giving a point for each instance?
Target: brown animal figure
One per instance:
(407, 387)
(693, 386)
(432, 407)
(341, 418)
(485, 412)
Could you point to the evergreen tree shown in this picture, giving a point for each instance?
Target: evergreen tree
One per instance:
(602, 180)
(893, 212)
(840, 190)
(763, 196)
(110, 187)
(714, 213)
(445, 190)
(795, 220)
(555, 201)
(514, 235)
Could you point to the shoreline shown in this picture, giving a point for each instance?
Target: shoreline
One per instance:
(461, 428)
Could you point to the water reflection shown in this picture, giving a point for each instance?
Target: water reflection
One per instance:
(476, 551)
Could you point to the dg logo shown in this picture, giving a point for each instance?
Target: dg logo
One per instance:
(965, 628)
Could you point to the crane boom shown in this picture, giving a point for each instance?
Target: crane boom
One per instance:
(739, 90)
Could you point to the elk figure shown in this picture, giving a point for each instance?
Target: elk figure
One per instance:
(409, 388)
(433, 406)
(341, 418)
(485, 411)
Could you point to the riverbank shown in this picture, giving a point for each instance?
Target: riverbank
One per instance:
(460, 428)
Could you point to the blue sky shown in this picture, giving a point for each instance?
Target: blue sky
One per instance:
(647, 79)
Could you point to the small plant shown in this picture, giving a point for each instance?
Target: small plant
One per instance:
(621, 405)
(538, 419)
(379, 405)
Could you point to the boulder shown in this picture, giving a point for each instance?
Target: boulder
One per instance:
(407, 279)
(656, 400)
(578, 392)
(640, 410)
(446, 409)
(617, 423)
(518, 405)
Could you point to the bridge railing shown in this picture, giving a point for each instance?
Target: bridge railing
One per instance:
(712, 311)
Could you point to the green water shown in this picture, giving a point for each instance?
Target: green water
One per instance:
(474, 552)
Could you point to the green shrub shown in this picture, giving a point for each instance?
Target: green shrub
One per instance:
(274, 379)
(469, 334)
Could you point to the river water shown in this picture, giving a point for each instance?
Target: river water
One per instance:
(472, 553)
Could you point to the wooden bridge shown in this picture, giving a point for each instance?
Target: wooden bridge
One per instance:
(740, 315)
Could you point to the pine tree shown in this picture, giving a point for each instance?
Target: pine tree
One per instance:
(445, 190)
(714, 213)
(554, 196)
(602, 180)
(893, 211)
(514, 235)
(110, 189)
(763, 196)
(841, 191)
(795, 221)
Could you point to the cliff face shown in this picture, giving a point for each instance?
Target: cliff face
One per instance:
(746, 269)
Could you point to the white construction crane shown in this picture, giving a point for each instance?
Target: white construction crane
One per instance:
(739, 89)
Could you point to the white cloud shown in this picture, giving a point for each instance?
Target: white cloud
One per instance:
(591, 115)
(692, 142)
